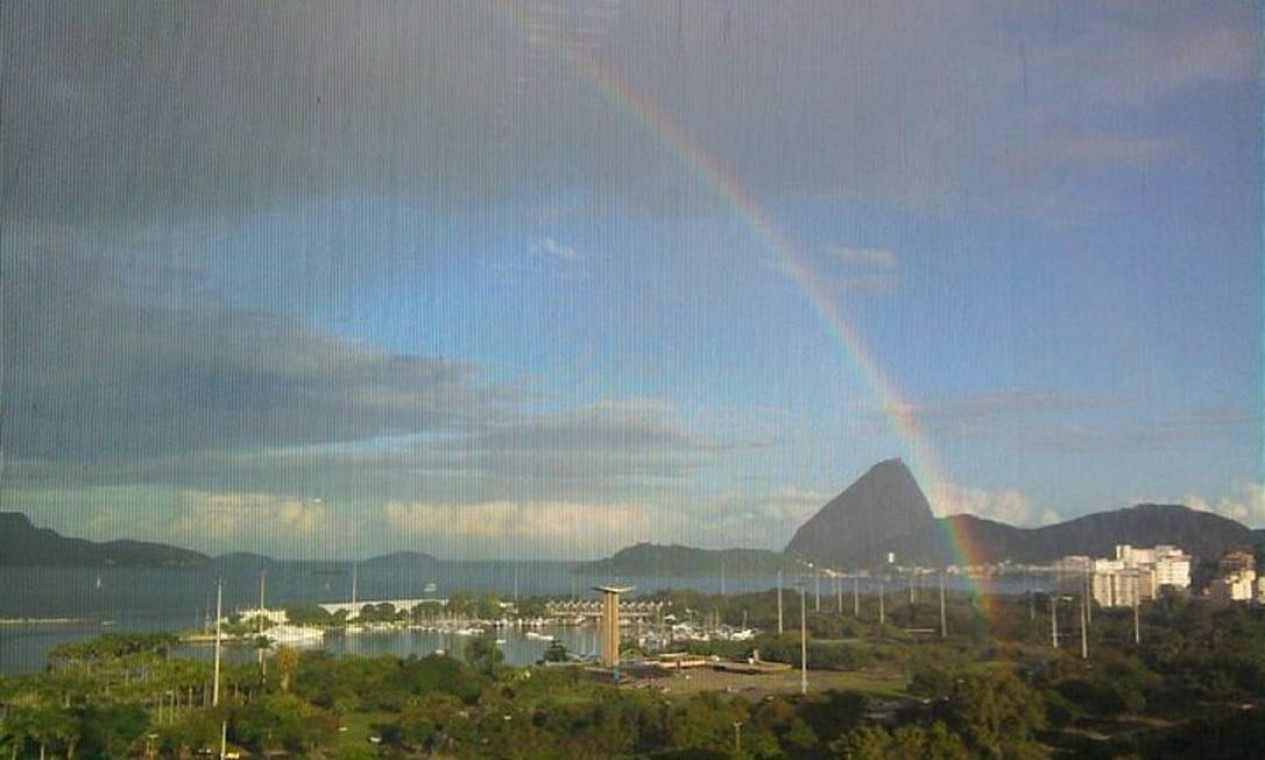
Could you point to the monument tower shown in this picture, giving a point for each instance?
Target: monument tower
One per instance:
(610, 623)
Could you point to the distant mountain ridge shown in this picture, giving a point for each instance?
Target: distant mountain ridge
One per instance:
(22, 544)
(1204, 535)
(886, 511)
(648, 559)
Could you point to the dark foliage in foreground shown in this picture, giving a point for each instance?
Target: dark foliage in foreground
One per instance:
(994, 688)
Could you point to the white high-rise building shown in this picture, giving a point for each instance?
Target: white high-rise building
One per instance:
(1137, 574)
(1172, 567)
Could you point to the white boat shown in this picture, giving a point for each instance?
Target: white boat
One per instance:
(295, 636)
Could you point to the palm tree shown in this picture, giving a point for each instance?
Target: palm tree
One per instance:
(287, 661)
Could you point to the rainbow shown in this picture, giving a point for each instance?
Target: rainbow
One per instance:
(918, 454)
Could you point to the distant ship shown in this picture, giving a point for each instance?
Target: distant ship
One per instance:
(430, 588)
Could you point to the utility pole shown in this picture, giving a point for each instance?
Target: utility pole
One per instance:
(817, 581)
(839, 592)
(737, 737)
(882, 605)
(856, 596)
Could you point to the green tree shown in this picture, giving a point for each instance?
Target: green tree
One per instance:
(556, 652)
(435, 723)
(281, 721)
(995, 712)
(705, 721)
(482, 654)
(935, 742)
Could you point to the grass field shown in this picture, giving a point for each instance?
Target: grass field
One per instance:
(354, 741)
(887, 684)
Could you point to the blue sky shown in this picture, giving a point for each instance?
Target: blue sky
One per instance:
(326, 280)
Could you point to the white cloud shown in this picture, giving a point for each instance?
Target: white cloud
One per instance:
(553, 248)
(1010, 507)
(224, 522)
(1148, 64)
(539, 529)
(1246, 504)
(862, 270)
(870, 258)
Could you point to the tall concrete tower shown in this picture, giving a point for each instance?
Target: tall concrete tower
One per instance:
(610, 623)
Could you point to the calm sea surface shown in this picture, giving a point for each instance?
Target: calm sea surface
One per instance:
(89, 602)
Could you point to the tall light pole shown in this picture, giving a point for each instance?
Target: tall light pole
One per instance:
(219, 614)
(215, 688)
(259, 628)
(779, 602)
(944, 620)
(803, 642)
(1054, 619)
(1089, 611)
(1084, 630)
(1137, 627)
(737, 737)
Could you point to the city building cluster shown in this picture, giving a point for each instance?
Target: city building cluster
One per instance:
(1236, 579)
(1137, 575)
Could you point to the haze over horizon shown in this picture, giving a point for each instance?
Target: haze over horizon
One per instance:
(546, 279)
